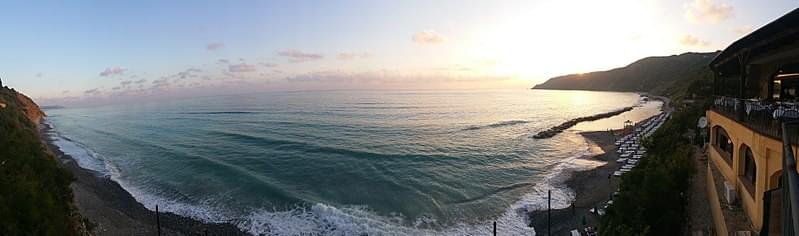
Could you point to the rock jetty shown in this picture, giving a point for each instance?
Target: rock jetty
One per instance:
(568, 124)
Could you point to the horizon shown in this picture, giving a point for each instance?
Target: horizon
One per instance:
(84, 53)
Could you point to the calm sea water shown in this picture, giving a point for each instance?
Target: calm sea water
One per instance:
(344, 162)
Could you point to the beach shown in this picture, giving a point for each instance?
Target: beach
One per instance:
(593, 187)
(114, 211)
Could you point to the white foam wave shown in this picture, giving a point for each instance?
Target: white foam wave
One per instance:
(322, 219)
(85, 157)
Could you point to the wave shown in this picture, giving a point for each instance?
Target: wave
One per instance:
(306, 147)
(82, 155)
(497, 125)
(219, 112)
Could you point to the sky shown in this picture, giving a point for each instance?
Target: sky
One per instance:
(73, 52)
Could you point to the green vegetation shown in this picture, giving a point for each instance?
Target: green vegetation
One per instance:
(652, 196)
(35, 198)
(657, 75)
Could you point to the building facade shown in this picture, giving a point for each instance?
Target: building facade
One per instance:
(756, 83)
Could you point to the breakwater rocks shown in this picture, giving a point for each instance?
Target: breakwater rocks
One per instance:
(568, 124)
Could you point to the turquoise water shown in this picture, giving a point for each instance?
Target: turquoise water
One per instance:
(342, 162)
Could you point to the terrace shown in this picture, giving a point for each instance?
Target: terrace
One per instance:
(756, 84)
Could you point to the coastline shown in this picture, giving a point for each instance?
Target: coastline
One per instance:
(592, 187)
(114, 211)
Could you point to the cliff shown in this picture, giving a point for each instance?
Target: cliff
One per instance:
(31, 110)
(651, 74)
(35, 193)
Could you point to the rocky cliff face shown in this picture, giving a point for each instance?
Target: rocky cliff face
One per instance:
(32, 111)
(11, 99)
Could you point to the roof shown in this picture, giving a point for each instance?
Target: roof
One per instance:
(784, 27)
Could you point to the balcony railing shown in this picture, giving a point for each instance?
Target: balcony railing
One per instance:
(790, 182)
(764, 117)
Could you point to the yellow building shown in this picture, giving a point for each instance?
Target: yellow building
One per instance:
(753, 134)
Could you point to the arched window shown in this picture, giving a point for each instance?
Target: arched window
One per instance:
(749, 167)
(723, 143)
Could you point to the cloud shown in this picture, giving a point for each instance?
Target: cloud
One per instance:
(299, 56)
(428, 37)
(94, 91)
(125, 83)
(116, 88)
(39, 75)
(113, 71)
(706, 11)
(190, 72)
(222, 61)
(388, 77)
(268, 65)
(141, 81)
(743, 30)
(693, 41)
(65, 91)
(243, 67)
(214, 46)
(353, 55)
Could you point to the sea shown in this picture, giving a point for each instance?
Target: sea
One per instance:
(428, 162)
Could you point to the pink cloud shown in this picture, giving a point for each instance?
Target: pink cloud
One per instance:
(352, 55)
(214, 46)
(295, 55)
(243, 67)
(113, 71)
(428, 37)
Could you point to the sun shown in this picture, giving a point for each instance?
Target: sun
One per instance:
(559, 37)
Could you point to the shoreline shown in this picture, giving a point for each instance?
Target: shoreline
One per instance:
(592, 187)
(112, 210)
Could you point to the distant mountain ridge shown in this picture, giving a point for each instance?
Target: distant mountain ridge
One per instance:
(651, 74)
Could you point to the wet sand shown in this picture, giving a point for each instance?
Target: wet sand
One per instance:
(114, 211)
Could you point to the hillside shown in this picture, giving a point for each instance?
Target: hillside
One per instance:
(35, 197)
(658, 75)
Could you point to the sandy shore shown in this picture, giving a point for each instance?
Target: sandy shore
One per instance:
(592, 187)
(113, 211)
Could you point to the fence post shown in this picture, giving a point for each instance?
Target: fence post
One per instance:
(157, 220)
(549, 212)
(495, 228)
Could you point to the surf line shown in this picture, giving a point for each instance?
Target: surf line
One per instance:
(568, 124)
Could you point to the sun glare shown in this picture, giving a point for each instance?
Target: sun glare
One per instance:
(586, 34)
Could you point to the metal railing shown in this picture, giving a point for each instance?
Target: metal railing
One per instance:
(790, 182)
(755, 115)
(766, 118)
